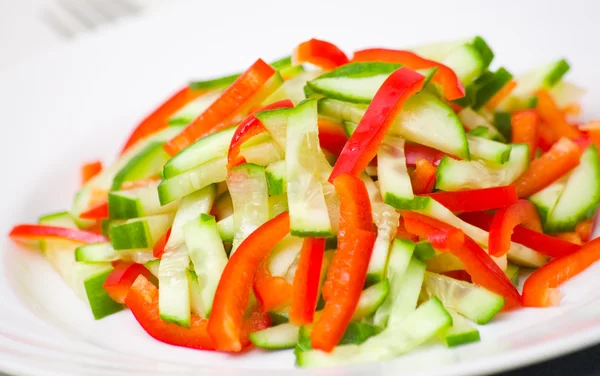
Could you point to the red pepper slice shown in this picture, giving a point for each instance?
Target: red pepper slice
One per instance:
(362, 146)
(142, 300)
(256, 320)
(453, 87)
(560, 159)
(524, 126)
(157, 120)
(345, 280)
(331, 136)
(423, 177)
(542, 243)
(271, 291)
(477, 199)
(220, 113)
(414, 152)
(546, 137)
(541, 288)
(306, 281)
(355, 206)
(554, 118)
(505, 220)
(480, 266)
(442, 236)
(97, 212)
(119, 281)
(89, 170)
(248, 128)
(320, 53)
(34, 232)
(161, 243)
(461, 275)
(231, 298)
(402, 233)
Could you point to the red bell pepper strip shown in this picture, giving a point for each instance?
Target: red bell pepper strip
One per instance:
(560, 159)
(402, 233)
(320, 53)
(271, 291)
(461, 275)
(89, 170)
(477, 199)
(159, 248)
(524, 126)
(119, 281)
(306, 281)
(423, 177)
(362, 146)
(220, 113)
(34, 232)
(142, 300)
(355, 206)
(331, 136)
(345, 280)
(248, 128)
(97, 212)
(554, 117)
(584, 230)
(500, 95)
(232, 294)
(541, 288)
(158, 119)
(505, 220)
(451, 84)
(480, 266)
(542, 243)
(414, 152)
(256, 320)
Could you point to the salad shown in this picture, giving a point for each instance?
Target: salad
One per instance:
(352, 209)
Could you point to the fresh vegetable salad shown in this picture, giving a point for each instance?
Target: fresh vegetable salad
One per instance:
(351, 207)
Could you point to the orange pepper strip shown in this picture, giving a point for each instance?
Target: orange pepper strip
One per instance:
(572, 237)
(89, 170)
(524, 129)
(541, 288)
(271, 291)
(584, 230)
(560, 159)
(554, 117)
(423, 177)
(572, 109)
(500, 95)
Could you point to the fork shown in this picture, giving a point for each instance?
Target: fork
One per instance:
(67, 18)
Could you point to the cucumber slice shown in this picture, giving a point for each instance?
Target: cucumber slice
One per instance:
(196, 303)
(502, 122)
(544, 77)
(485, 87)
(97, 252)
(283, 336)
(144, 165)
(226, 229)
(283, 255)
(307, 207)
(355, 334)
(546, 199)
(474, 302)
(579, 200)
(455, 175)
(192, 110)
(394, 181)
(250, 196)
(208, 256)
(467, 62)
(276, 178)
(421, 325)
(512, 272)
(223, 206)
(137, 202)
(174, 297)
(370, 300)
(386, 219)
(488, 150)
(153, 266)
(444, 262)
(461, 332)
(424, 251)
(277, 205)
(527, 257)
(565, 93)
(438, 50)
(407, 296)
(473, 120)
(400, 256)
(139, 233)
(349, 127)
(341, 111)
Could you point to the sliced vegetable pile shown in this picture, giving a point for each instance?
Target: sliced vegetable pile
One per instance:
(353, 211)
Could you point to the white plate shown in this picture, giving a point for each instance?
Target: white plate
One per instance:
(78, 103)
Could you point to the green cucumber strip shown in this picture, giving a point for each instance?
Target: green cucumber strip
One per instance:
(283, 336)
(277, 205)
(276, 178)
(579, 200)
(207, 254)
(424, 251)
(466, 62)
(461, 332)
(226, 229)
(472, 120)
(438, 50)
(421, 325)
(394, 181)
(306, 201)
(484, 88)
(399, 259)
(480, 131)
(174, 298)
(371, 299)
(283, 255)
(192, 110)
(291, 72)
(139, 233)
(100, 303)
(278, 318)
(455, 175)
(196, 303)
(153, 266)
(512, 272)
(96, 252)
(349, 127)
(546, 199)
(247, 185)
(527, 257)
(485, 52)
(502, 122)
(488, 150)
(474, 302)
(355, 334)
(386, 219)
(144, 165)
(223, 206)
(137, 202)
(407, 296)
